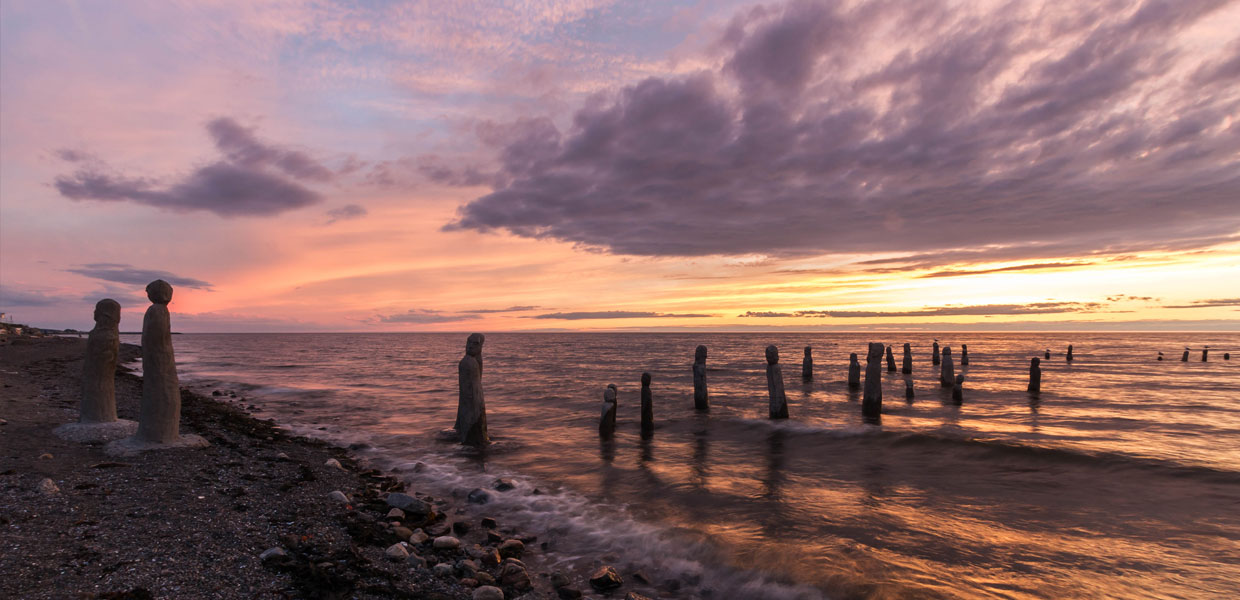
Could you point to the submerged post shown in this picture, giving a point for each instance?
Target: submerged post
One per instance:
(908, 390)
(907, 366)
(1160, 356)
(1069, 353)
(1047, 356)
(1185, 357)
(958, 389)
(97, 413)
(807, 364)
(1204, 352)
(1226, 356)
(935, 359)
(872, 400)
(700, 399)
(607, 422)
(854, 371)
(775, 384)
(964, 355)
(1035, 375)
(947, 373)
(891, 361)
(471, 410)
(647, 407)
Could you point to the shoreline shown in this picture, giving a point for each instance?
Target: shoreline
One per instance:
(196, 523)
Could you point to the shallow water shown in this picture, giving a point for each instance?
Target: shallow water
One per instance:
(1121, 479)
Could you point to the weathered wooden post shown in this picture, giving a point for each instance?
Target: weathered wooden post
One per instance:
(700, 399)
(872, 400)
(647, 407)
(775, 384)
(607, 421)
(947, 373)
(854, 371)
(907, 366)
(935, 359)
(807, 364)
(1035, 375)
(891, 361)
(964, 355)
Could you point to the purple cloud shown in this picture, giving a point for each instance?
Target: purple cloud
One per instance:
(425, 316)
(612, 314)
(121, 273)
(1035, 308)
(346, 212)
(1061, 130)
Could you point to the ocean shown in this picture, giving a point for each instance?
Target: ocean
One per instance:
(1121, 479)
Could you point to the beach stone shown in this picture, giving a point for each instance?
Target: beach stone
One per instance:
(906, 366)
(494, 537)
(489, 556)
(701, 400)
(607, 420)
(964, 355)
(478, 496)
(443, 570)
(872, 400)
(469, 582)
(488, 592)
(418, 537)
(407, 504)
(947, 373)
(47, 487)
(935, 351)
(775, 384)
(272, 554)
(446, 542)
(503, 485)
(484, 578)
(488, 523)
(636, 596)
(1035, 375)
(403, 533)
(568, 593)
(416, 561)
(335, 464)
(338, 496)
(513, 574)
(891, 361)
(854, 371)
(396, 552)
(282, 456)
(396, 513)
(559, 580)
(958, 389)
(467, 568)
(460, 527)
(512, 549)
(807, 364)
(46, 456)
(647, 407)
(606, 578)
(97, 420)
(471, 410)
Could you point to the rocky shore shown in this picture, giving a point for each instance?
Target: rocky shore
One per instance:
(257, 514)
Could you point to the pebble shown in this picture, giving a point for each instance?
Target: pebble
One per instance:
(489, 523)
(418, 537)
(494, 537)
(417, 561)
(396, 513)
(443, 570)
(331, 462)
(403, 533)
(447, 542)
(45, 456)
(559, 580)
(3, 422)
(514, 574)
(606, 578)
(282, 456)
(568, 593)
(397, 552)
(636, 596)
(478, 496)
(338, 496)
(488, 592)
(484, 578)
(271, 553)
(503, 485)
(408, 504)
(511, 548)
(48, 487)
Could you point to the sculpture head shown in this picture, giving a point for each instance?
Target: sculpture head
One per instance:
(947, 352)
(964, 347)
(699, 355)
(473, 345)
(959, 379)
(852, 358)
(808, 351)
(609, 394)
(107, 314)
(645, 379)
(772, 355)
(159, 291)
(874, 351)
(1034, 362)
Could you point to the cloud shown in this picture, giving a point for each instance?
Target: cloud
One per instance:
(894, 127)
(424, 316)
(1209, 303)
(12, 297)
(346, 212)
(974, 310)
(482, 311)
(122, 273)
(1028, 267)
(613, 314)
(241, 185)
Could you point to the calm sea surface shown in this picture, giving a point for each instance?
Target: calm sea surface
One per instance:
(1120, 480)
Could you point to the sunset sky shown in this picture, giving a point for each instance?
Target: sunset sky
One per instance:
(583, 165)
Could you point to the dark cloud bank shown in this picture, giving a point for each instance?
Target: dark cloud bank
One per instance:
(253, 178)
(1033, 131)
(121, 273)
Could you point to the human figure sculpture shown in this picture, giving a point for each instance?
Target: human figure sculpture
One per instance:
(958, 389)
(775, 384)
(1069, 357)
(854, 371)
(935, 359)
(97, 412)
(700, 399)
(907, 366)
(964, 355)
(471, 408)
(807, 364)
(1035, 375)
(1204, 352)
(647, 407)
(947, 372)
(891, 361)
(1185, 357)
(872, 399)
(607, 421)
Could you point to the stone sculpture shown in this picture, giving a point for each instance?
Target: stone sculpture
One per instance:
(854, 371)
(935, 359)
(958, 389)
(807, 364)
(1204, 351)
(964, 355)
(1035, 375)
(907, 366)
(872, 400)
(647, 407)
(947, 372)
(1069, 357)
(471, 408)
(97, 420)
(775, 384)
(607, 422)
(908, 390)
(701, 401)
(891, 361)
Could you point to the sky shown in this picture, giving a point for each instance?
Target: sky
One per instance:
(597, 165)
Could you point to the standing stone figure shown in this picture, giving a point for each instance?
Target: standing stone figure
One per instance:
(807, 364)
(964, 355)
(935, 359)
(97, 414)
(1035, 375)
(958, 389)
(607, 422)
(471, 409)
(775, 384)
(891, 361)
(872, 400)
(1069, 352)
(907, 366)
(647, 407)
(1204, 352)
(1185, 357)
(700, 399)
(1047, 356)
(947, 373)
(854, 371)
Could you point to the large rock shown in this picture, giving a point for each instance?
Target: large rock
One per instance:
(397, 552)
(488, 592)
(512, 549)
(606, 578)
(408, 504)
(513, 573)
